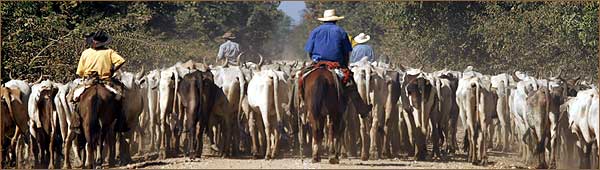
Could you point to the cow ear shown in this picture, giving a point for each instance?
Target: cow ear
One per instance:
(15, 95)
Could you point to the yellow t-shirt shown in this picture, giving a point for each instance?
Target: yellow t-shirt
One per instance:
(100, 61)
(352, 40)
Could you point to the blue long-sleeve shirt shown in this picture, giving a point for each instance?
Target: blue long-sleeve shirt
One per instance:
(360, 51)
(328, 42)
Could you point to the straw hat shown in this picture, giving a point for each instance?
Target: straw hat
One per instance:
(362, 38)
(329, 15)
(228, 35)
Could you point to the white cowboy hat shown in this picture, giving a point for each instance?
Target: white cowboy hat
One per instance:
(329, 15)
(362, 38)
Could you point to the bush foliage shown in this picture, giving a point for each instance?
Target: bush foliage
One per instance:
(537, 37)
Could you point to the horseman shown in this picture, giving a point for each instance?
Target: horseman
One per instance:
(98, 65)
(229, 50)
(330, 43)
(362, 49)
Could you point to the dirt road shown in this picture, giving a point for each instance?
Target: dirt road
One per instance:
(498, 161)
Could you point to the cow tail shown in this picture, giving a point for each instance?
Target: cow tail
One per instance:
(276, 97)
(8, 104)
(242, 94)
(368, 87)
(477, 102)
(175, 92)
(438, 87)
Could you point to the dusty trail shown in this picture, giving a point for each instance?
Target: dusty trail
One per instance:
(498, 161)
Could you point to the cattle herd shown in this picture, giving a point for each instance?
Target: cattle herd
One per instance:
(256, 109)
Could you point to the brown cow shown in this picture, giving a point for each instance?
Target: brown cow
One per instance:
(193, 93)
(17, 92)
(13, 119)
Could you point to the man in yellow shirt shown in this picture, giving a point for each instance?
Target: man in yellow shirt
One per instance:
(99, 59)
(101, 62)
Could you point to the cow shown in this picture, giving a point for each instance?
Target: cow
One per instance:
(446, 84)
(444, 116)
(169, 105)
(391, 131)
(68, 120)
(42, 127)
(14, 97)
(233, 82)
(150, 121)
(418, 104)
(373, 90)
(197, 97)
(582, 117)
(518, 96)
(477, 106)
(268, 94)
(501, 86)
(133, 105)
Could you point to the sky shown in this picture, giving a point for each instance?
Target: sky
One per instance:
(293, 9)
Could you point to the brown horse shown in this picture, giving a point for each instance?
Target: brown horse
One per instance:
(323, 99)
(98, 109)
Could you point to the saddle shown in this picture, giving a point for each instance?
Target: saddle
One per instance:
(342, 73)
(111, 85)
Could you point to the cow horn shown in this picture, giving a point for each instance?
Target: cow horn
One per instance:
(559, 74)
(204, 59)
(226, 61)
(574, 80)
(402, 67)
(515, 76)
(10, 75)
(260, 62)
(239, 57)
(421, 67)
(39, 80)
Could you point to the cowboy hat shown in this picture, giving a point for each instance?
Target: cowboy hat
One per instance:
(329, 15)
(228, 35)
(362, 38)
(98, 39)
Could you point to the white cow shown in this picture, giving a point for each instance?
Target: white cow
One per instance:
(68, 120)
(371, 85)
(477, 106)
(42, 124)
(169, 105)
(151, 120)
(501, 86)
(583, 121)
(518, 109)
(233, 82)
(269, 93)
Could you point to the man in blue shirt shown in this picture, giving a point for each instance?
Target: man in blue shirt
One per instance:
(329, 42)
(362, 50)
(229, 50)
